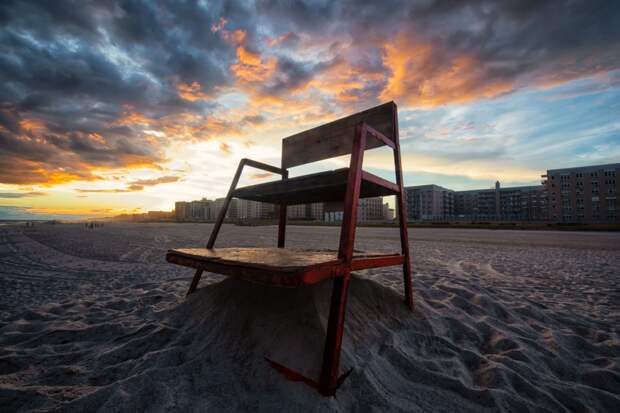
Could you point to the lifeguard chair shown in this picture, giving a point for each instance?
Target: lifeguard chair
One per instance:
(282, 267)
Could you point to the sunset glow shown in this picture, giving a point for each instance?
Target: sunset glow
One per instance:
(108, 108)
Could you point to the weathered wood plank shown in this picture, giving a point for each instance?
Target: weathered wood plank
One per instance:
(277, 266)
(274, 266)
(336, 138)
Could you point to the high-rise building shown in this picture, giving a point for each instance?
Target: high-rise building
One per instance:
(584, 194)
(477, 204)
(201, 210)
(388, 213)
(297, 211)
(180, 210)
(523, 203)
(233, 209)
(254, 210)
(429, 203)
(312, 211)
(316, 211)
(370, 209)
(435, 203)
(519, 203)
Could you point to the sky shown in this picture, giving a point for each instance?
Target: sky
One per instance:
(110, 107)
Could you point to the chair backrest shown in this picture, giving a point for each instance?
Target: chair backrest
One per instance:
(336, 138)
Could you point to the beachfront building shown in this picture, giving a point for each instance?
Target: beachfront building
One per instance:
(316, 211)
(313, 211)
(388, 213)
(511, 204)
(233, 209)
(255, 210)
(523, 204)
(477, 204)
(368, 210)
(429, 203)
(438, 204)
(296, 211)
(586, 194)
(180, 209)
(201, 210)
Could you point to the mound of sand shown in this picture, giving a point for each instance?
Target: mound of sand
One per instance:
(207, 353)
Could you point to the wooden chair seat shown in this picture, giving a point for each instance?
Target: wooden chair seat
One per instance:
(329, 186)
(277, 266)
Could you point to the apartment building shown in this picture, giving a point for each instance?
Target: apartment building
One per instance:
(517, 204)
(576, 195)
(429, 203)
(255, 210)
(368, 210)
(584, 194)
(180, 208)
(435, 203)
(202, 210)
(523, 203)
(297, 211)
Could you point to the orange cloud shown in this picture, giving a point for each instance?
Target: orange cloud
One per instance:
(346, 84)
(235, 37)
(131, 117)
(272, 42)
(192, 126)
(41, 175)
(34, 125)
(191, 92)
(251, 68)
(224, 147)
(421, 77)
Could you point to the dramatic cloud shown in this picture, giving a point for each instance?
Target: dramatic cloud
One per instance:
(92, 87)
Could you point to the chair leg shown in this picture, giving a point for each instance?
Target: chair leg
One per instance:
(404, 241)
(281, 225)
(333, 341)
(406, 268)
(407, 283)
(195, 281)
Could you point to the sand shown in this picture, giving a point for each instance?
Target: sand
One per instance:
(96, 320)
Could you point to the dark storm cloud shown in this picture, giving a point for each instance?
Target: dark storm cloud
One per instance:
(76, 77)
(291, 74)
(74, 69)
(512, 42)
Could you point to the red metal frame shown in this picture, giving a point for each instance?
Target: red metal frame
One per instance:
(330, 378)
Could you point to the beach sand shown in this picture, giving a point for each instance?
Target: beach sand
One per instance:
(96, 320)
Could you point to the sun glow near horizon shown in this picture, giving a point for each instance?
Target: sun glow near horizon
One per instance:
(165, 115)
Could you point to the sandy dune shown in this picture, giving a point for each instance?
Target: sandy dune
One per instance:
(505, 321)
